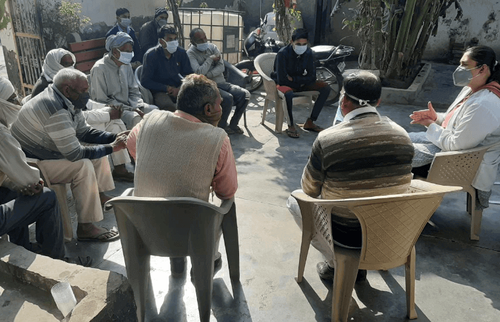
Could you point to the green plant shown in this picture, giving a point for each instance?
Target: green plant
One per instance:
(70, 14)
(284, 16)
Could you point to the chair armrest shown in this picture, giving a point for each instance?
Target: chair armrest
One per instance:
(226, 206)
(128, 193)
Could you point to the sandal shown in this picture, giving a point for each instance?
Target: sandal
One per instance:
(106, 236)
(292, 133)
(314, 129)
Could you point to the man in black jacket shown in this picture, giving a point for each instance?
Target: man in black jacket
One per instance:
(148, 35)
(294, 71)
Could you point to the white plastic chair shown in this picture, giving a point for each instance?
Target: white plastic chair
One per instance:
(147, 96)
(390, 227)
(175, 227)
(264, 64)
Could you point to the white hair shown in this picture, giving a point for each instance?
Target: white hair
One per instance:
(68, 75)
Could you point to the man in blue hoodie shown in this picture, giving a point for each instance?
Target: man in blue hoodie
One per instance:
(294, 71)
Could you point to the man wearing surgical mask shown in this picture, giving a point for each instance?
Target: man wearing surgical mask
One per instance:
(123, 24)
(150, 30)
(294, 71)
(115, 88)
(52, 128)
(472, 120)
(164, 68)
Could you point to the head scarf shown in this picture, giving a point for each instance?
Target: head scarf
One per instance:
(116, 41)
(160, 11)
(8, 111)
(121, 11)
(52, 62)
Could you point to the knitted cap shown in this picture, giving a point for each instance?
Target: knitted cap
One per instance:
(160, 11)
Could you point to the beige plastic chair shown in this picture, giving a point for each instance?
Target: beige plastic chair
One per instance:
(175, 227)
(390, 228)
(459, 168)
(264, 64)
(61, 195)
(146, 94)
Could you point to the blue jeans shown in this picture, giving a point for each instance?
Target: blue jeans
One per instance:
(17, 212)
(232, 95)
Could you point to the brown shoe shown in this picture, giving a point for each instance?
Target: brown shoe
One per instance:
(123, 176)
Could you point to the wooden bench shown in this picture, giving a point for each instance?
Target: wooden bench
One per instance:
(87, 53)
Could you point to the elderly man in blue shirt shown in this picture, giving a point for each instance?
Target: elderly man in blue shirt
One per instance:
(164, 68)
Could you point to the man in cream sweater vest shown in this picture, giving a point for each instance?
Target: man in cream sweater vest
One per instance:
(192, 158)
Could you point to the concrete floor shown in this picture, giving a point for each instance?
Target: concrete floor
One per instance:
(456, 279)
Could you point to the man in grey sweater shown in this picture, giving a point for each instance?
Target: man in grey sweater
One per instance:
(205, 59)
(51, 127)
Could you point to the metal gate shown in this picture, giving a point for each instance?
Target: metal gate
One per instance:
(26, 24)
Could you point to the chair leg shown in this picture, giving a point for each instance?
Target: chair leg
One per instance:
(304, 250)
(346, 270)
(279, 115)
(264, 111)
(203, 271)
(231, 241)
(476, 216)
(61, 195)
(410, 285)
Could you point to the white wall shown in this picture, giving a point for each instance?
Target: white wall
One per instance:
(481, 20)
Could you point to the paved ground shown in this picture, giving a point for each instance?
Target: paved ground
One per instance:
(456, 279)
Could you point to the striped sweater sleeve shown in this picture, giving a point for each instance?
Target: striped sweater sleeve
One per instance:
(64, 136)
(313, 175)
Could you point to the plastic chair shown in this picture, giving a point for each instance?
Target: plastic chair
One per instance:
(264, 64)
(459, 168)
(175, 227)
(61, 195)
(390, 227)
(146, 94)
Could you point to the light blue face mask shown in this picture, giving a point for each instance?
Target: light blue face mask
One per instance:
(202, 47)
(299, 50)
(172, 46)
(125, 22)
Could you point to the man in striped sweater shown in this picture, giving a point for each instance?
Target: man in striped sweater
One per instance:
(365, 155)
(51, 127)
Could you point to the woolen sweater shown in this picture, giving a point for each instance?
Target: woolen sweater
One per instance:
(176, 157)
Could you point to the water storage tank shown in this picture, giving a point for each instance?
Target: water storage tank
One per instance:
(224, 28)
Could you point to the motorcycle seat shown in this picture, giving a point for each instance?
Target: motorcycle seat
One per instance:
(322, 51)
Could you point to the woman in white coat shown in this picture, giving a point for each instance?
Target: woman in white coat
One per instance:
(472, 120)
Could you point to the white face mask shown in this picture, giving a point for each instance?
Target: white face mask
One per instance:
(171, 45)
(125, 22)
(162, 22)
(125, 57)
(299, 50)
(462, 76)
(202, 47)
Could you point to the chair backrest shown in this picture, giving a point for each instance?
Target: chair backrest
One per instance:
(390, 224)
(457, 168)
(168, 226)
(147, 96)
(264, 64)
(87, 53)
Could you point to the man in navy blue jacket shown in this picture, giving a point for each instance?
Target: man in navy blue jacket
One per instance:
(164, 68)
(294, 71)
(123, 23)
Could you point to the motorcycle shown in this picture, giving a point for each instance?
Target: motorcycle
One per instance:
(328, 60)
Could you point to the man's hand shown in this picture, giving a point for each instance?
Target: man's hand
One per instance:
(424, 116)
(215, 58)
(172, 91)
(141, 113)
(32, 189)
(115, 112)
(120, 141)
(289, 78)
